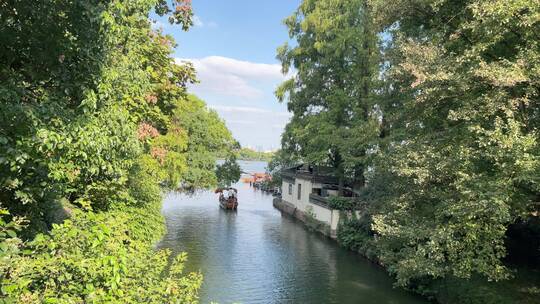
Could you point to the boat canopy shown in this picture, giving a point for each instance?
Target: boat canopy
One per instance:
(220, 190)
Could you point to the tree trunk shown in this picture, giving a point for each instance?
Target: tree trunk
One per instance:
(359, 177)
(340, 172)
(341, 186)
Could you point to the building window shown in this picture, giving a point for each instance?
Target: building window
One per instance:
(290, 189)
(299, 191)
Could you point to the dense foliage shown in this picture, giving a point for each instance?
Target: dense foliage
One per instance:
(463, 160)
(356, 234)
(446, 132)
(208, 138)
(98, 258)
(344, 203)
(229, 171)
(250, 154)
(331, 93)
(95, 121)
(280, 160)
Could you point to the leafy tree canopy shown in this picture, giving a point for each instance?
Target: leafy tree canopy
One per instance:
(330, 96)
(440, 122)
(465, 157)
(95, 121)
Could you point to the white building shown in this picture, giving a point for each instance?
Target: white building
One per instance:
(305, 191)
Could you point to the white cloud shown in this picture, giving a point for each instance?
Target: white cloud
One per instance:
(244, 69)
(156, 24)
(197, 21)
(242, 93)
(227, 76)
(241, 122)
(249, 110)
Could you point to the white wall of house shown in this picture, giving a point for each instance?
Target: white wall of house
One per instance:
(285, 195)
(335, 220)
(332, 192)
(320, 213)
(328, 216)
(305, 190)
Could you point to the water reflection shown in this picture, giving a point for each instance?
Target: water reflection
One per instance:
(255, 255)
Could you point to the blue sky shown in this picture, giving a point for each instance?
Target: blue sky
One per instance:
(233, 47)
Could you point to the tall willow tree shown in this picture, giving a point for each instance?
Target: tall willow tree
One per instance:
(334, 62)
(463, 158)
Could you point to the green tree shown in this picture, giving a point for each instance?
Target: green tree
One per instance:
(208, 137)
(335, 62)
(250, 154)
(76, 81)
(229, 172)
(89, 106)
(280, 160)
(461, 159)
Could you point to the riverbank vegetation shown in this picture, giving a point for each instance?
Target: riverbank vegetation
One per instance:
(429, 110)
(95, 123)
(252, 155)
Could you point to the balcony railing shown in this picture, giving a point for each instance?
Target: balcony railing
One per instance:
(319, 200)
(325, 202)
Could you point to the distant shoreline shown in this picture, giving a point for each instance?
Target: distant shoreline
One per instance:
(254, 159)
(247, 154)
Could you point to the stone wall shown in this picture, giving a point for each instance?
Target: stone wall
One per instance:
(314, 216)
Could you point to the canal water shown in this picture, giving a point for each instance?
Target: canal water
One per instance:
(257, 255)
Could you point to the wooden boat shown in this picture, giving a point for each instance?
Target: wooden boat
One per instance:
(228, 200)
(255, 178)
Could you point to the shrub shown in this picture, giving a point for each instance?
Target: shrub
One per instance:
(355, 234)
(99, 258)
(342, 203)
